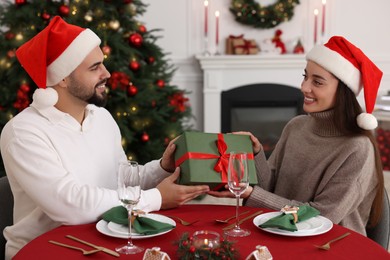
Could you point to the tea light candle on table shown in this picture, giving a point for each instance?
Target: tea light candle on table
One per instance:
(205, 240)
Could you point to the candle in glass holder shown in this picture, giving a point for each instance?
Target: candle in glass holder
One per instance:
(205, 240)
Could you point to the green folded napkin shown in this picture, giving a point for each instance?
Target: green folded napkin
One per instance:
(141, 225)
(286, 221)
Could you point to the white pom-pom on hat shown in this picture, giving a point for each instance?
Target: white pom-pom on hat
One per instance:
(367, 121)
(44, 97)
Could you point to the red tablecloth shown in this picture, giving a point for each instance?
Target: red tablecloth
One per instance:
(355, 246)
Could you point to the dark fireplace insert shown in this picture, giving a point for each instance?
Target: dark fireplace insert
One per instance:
(263, 109)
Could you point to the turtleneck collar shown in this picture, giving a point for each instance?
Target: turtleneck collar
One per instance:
(322, 123)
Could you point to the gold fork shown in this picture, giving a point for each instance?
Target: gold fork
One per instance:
(183, 222)
(326, 246)
(85, 252)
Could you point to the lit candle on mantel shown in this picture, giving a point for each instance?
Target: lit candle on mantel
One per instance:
(216, 27)
(315, 25)
(206, 13)
(323, 17)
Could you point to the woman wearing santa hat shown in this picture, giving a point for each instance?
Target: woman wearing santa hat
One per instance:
(327, 159)
(62, 153)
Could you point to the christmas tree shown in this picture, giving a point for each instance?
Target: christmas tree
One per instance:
(148, 109)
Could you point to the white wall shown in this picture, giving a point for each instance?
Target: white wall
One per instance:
(362, 22)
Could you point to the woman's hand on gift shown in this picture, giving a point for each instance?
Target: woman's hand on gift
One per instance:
(255, 142)
(167, 161)
(174, 195)
(227, 194)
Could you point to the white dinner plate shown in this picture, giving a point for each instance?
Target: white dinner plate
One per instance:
(115, 230)
(311, 227)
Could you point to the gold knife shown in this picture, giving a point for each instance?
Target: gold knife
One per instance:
(242, 220)
(106, 250)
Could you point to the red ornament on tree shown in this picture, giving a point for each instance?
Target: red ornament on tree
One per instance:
(127, 1)
(132, 90)
(136, 39)
(9, 35)
(45, 16)
(142, 29)
(134, 65)
(145, 137)
(151, 60)
(106, 50)
(63, 10)
(20, 2)
(160, 83)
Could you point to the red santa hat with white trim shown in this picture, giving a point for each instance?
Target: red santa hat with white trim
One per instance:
(350, 65)
(53, 54)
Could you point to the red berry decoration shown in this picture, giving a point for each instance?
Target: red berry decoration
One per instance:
(142, 29)
(160, 83)
(20, 2)
(136, 40)
(134, 65)
(132, 90)
(145, 137)
(63, 10)
(127, 1)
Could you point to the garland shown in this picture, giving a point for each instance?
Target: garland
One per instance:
(250, 12)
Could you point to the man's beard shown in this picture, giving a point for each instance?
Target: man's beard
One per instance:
(96, 100)
(77, 89)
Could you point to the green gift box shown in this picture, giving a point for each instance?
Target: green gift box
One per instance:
(198, 153)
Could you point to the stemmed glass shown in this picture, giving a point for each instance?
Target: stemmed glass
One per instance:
(238, 182)
(129, 192)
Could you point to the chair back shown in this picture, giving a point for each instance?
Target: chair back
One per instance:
(6, 215)
(381, 232)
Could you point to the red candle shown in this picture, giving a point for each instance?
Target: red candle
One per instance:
(206, 12)
(315, 25)
(216, 27)
(323, 17)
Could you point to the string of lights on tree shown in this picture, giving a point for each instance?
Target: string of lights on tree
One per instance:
(251, 12)
(149, 110)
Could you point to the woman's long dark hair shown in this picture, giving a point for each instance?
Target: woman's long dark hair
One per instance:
(347, 108)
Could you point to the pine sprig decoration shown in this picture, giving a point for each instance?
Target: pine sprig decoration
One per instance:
(187, 251)
(250, 12)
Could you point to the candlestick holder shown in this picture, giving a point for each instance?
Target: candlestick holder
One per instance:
(206, 47)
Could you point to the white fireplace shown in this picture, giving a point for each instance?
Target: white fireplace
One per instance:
(225, 72)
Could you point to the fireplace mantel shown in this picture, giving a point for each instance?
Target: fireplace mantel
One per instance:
(224, 72)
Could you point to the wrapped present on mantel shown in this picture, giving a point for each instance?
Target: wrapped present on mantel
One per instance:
(229, 43)
(243, 46)
(203, 157)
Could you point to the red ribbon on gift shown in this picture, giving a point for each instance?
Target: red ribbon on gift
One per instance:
(246, 46)
(223, 158)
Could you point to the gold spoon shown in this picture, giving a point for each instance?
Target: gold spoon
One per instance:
(326, 246)
(85, 252)
(183, 222)
(227, 220)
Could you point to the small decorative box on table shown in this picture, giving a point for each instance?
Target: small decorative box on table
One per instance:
(203, 157)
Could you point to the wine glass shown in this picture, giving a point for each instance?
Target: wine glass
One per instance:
(129, 192)
(238, 182)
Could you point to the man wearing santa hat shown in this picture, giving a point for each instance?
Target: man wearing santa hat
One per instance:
(62, 153)
(327, 159)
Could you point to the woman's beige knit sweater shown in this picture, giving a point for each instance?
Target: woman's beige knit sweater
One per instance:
(315, 164)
